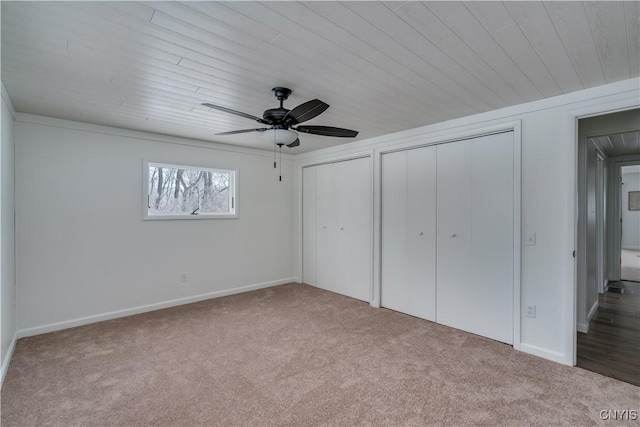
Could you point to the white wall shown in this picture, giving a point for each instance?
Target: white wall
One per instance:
(85, 254)
(630, 219)
(7, 247)
(549, 158)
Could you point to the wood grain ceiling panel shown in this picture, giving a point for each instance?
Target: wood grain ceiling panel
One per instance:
(383, 67)
(515, 88)
(375, 60)
(507, 53)
(498, 22)
(182, 28)
(275, 54)
(607, 24)
(477, 78)
(571, 23)
(380, 86)
(534, 22)
(391, 26)
(632, 15)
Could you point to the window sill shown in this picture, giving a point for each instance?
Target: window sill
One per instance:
(200, 216)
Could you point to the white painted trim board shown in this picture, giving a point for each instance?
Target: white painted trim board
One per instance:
(592, 311)
(6, 360)
(544, 353)
(7, 100)
(584, 327)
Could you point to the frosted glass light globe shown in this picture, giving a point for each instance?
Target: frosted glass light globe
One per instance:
(282, 136)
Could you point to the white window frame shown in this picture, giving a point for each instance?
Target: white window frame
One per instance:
(233, 193)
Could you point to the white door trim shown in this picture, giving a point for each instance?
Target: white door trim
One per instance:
(569, 293)
(600, 225)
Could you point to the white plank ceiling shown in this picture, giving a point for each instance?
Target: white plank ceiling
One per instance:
(382, 66)
(619, 144)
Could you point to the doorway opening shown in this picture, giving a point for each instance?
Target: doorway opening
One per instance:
(608, 300)
(630, 223)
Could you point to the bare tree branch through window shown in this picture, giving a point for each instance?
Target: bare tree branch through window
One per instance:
(178, 190)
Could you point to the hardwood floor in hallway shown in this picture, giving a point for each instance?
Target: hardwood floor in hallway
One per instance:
(612, 346)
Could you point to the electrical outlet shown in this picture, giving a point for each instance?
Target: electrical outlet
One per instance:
(183, 278)
(531, 239)
(530, 311)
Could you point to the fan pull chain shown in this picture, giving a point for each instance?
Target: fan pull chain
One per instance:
(280, 145)
(274, 150)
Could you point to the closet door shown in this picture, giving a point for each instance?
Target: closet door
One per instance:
(409, 232)
(337, 227)
(352, 228)
(475, 236)
(309, 226)
(325, 224)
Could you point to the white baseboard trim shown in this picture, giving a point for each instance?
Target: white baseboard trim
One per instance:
(146, 308)
(546, 354)
(7, 358)
(631, 248)
(583, 328)
(592, 311)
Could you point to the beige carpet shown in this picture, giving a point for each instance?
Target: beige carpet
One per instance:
(630, 265)
(293, 355)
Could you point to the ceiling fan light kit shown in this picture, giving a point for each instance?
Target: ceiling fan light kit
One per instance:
(280, 136)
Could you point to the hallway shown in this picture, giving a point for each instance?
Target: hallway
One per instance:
(630, 265)
(612, 346)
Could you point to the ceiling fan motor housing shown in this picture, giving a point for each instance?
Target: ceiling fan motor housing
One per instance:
(275, 115)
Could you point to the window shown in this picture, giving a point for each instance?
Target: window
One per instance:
(176, 192)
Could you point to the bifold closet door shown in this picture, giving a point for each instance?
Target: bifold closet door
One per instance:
(309, 226)
(475, 236)
(352, 228)
(408, 267)
(326, 276)
(337, 224)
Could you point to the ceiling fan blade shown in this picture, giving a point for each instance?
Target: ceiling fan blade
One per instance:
(233, 132)
(237, 113)
(306, 111)
(295, 143)
(328, 131)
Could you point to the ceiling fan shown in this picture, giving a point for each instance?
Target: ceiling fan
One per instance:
(283, 122)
